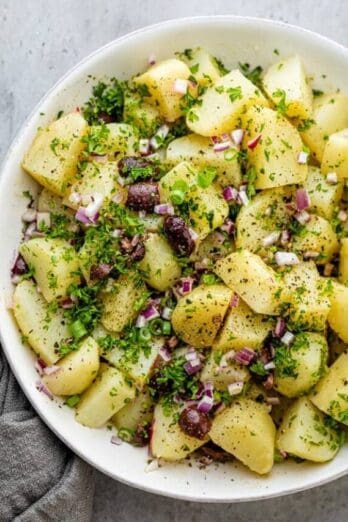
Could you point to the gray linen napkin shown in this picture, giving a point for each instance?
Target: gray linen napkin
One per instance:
(40, 479)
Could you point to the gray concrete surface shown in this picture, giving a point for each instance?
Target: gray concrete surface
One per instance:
(39, 41)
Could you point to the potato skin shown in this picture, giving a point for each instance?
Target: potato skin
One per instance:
(198, 316)
(246, 430)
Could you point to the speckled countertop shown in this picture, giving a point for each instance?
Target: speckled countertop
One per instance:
(39, 41)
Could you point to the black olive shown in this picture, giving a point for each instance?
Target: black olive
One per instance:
(178, 235)
(100, 271)
(194, 423)
(143, 196)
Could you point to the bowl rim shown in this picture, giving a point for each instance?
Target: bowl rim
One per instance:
(172, 22)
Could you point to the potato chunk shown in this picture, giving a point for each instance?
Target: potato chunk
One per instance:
(119, 303)
(242, 328)
(198, 316)
(308, 295)
(168, 441)
(223, 104)
(331, 393)
(257, 283)
(275, 157)
(288, 78)
(343, 265)
(76, 371)
(138, 412)
(330, 115)
(55, 264)
(305, 433)
(223, 375)
(159, 264)
(246, 430)
(107, 395)
(43, 329)
(203, 66)
(54, 153)
(199, 151)
(300, 367)
(318, 236)
(324, 196)
(339, 309)
(142, 115)
(159, 80)
(335, 157)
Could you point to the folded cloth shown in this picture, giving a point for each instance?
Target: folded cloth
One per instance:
(40, 479)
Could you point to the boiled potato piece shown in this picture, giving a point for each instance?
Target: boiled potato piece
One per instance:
(119, 303)
(265, 214)
(331, 393)
(338, 313)
(288, 78)
(275, 157)
(222, 376)
(136, 368)
(337, 346)
(159, 81)
(55, 264)
(161, 269)
(300, 367)
(202, 65)
(246, 430)
(222, 105)
(168, 441)
(242, 328)
(343, 265)
(308, 295)
(142, 115)
(54, 153)
(304, 433)
(120, 140)
(207, 207)
(324, 196)
(257, 283)
(50, 202)
(335, 157)
(199, 151)
(97, 178)
(44, 330)
(198, 316)
(138, 412)
(330, 115)
(317, 236)
(212, 247)
(106, 396)
(76, 371)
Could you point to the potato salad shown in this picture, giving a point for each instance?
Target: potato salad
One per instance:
(183, 273)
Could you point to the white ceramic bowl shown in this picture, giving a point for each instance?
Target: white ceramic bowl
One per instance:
(233, 39)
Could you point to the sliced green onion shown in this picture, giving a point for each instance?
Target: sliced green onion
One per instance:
(125, 434)
(208, 279)
(230, 154)
(166, 327)
(177, 197)
(156, 326)
(77, 330)
(144, 334)
(206, 177)
(72, 401)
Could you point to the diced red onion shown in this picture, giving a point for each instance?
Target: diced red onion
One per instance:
(285, 237)
(286, 258)
(230, 193)
(86, 199)
(302, 217)
(228, 226)
(167, 313)
(43, 389)
(31, 231)
(242, 196)
(150, 313)
(221, 146)
(342, 215)
(160, 134)
(237, 136)
(288, 338)
(75, 198)
(208, 389)
(116, 440)
(43, 218)
(186, 285)
(328, 269)
(180, 86)
(50, 370)
(192, 367)
(225, 136)
(81, 216)
(164, 209)
(269, 366)
(29, 215)
(302, 157)
(273, 401)
(270, 239)
(269, 382)
(67, 303)
(244, 356)
(205, 404)
(165, 354)
(234, 301)
(310, 254)
(151, 59)
(235, 388)
(280, 326)
(99, 158)
(19, 266)
(302, 200)
(332, 178)
(252, 143)
(94, 206)
(144, 146)
(39, 366)
(191, 355)
(140, 322)
(224, 360)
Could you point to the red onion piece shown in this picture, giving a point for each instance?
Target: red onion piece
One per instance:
(186, 285)
(269, 366)
(41, 387)
(252, 143)
(286, 259)
(228, 226)
(165, 354)
(234, 301)
(221, 146)
(230, 193)
(167, 313)
(280, 327)
(116, 440)
(94, 206)
(270, 239)
(243, 197)
(163, 209)
(205, 404)
(150, 313)
(285, 237)
(180, 86)
(19, 267)
(245, 356)
(235, 388)
(192, 367)
(144, 146)
(237, 136)
(332, 178)
(50, 370)
(67, 303)
(29, 215)
(302, 157)
(39, 366)
(140, 322)
(302, 200)
(159, 136)
(302, 217)
(74, 198)
(288, 338)
(43, 218)
(151, 59)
